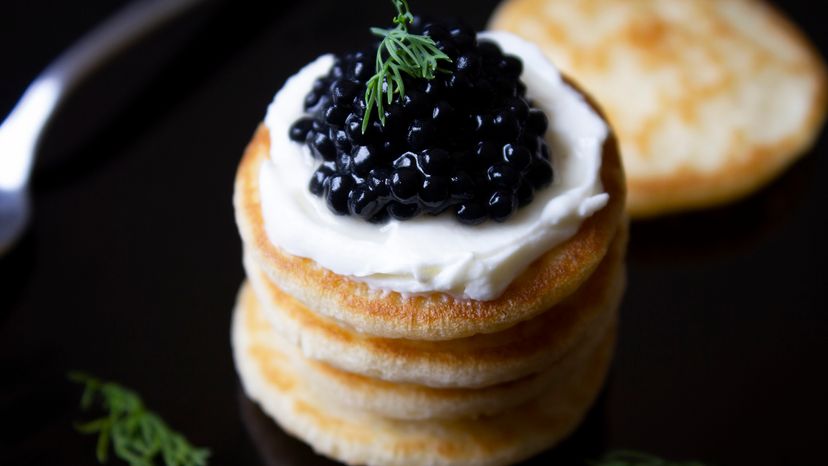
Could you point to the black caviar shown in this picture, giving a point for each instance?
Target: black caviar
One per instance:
(468, 141)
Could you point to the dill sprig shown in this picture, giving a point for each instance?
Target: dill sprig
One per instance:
(138, 436)
(635, 458)
(399, 52)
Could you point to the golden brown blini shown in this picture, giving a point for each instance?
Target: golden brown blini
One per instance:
(270, 378)
(710, 99)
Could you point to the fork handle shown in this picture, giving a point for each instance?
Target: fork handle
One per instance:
(21, 131)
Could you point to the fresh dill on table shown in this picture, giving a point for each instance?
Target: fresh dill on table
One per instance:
(399, 52)
(136, 435)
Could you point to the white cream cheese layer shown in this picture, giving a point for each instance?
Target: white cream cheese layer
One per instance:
(437, 254)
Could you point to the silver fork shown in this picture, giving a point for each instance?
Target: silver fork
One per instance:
(22, 130)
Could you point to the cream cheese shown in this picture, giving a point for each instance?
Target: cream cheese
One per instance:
(437, 254)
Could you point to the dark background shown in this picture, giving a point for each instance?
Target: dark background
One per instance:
(130, 268)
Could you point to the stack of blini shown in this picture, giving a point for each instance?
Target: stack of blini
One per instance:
(369, 377)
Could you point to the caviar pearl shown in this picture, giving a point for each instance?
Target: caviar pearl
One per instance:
(471, 213)
(468, 64)
(415, 103)
(525, 194)
(335, 115)
(322, 147)
(518, 107)
(505, 126)
(337, 190)
(420, 134)
(344, 91)
(344, 163)
(379, 180)
(364, 158)
(486, 153)
(442, 115)
(510, 66)
(537, 121)
(540, 174)
(317, 181)
(519, 158)
(405, 183)
(299, 130)
(353, 129)
(501, 205)
(363, 202)
(503, 176)
(434, 193)
(406, 160)
(434, 162)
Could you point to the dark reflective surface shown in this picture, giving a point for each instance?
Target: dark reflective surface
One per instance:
(131, 266)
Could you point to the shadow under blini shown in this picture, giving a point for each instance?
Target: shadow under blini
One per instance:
(724, 231)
